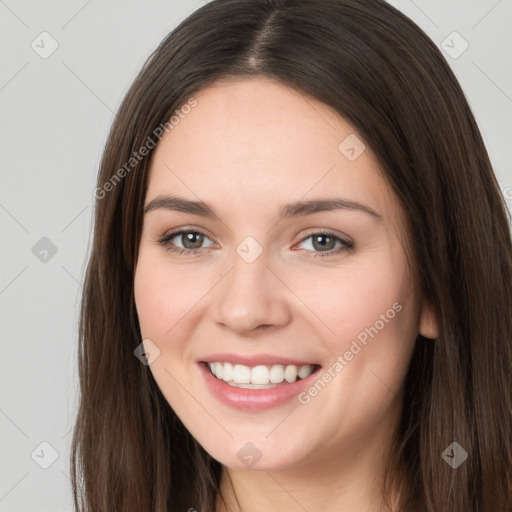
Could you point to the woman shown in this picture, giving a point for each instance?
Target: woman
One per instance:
(299, 291)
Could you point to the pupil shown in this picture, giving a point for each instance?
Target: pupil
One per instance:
(195, 239)
(323, 242)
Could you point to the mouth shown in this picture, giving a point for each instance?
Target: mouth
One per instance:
(255, 382)
(259, 376)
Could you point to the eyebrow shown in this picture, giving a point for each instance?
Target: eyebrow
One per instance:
(297, 209)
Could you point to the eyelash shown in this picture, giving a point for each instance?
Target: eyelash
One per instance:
(346, 245)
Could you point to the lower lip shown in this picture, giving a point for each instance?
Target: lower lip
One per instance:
(253, 399)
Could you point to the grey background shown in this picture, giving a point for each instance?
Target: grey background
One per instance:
(55, 113)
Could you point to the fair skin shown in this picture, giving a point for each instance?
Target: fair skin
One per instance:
(249, 147)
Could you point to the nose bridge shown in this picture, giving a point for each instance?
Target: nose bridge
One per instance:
(250, 296)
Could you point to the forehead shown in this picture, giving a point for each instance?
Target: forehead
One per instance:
(257, 141)
(260, 118)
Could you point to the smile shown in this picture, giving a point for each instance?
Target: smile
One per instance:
(258, 387)
(260, 376)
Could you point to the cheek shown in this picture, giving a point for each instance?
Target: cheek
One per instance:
(369, 304)
(165, 299)
(151, 301)
(370, 318)
(164, 294)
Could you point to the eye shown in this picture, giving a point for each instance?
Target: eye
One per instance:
(185, 241)
(325, 244)
(189, 241)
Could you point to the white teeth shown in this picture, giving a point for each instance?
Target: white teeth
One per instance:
(290, 373)
(305, 371)
(277, 373)
(261, 376)
(228, 372)
(252, 386)
(242, 374)
(219, 370)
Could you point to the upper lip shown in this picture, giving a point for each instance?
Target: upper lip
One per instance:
(252, 359)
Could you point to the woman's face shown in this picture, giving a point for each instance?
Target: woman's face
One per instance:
(279, 242)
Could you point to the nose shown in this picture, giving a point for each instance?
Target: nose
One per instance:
(251, 298)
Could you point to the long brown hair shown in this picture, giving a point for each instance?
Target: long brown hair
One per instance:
(379, 71)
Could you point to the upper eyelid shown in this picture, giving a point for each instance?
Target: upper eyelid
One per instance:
(327, 232)
(178, 231)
